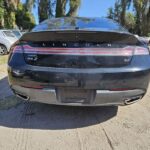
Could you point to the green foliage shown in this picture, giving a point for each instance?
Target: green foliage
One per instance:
(14, 14)
(24, 18)
(43, 10)
(137, 22)
(29, 4)
(9, 14)
(1, 13)
(55, 8)
(142, 12)
(130, 21)
(9, 19)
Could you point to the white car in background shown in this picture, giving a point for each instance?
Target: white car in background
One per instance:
(145, 40)
(17, 33)
(7, 39)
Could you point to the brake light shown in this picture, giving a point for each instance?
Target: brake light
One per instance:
(16, 49)
(32, 86)
(13, 49)
(121, 89)
(126, 51)
(141, 51)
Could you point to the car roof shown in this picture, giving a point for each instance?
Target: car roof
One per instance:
(9, 30)
(80, 23)
(5, 30)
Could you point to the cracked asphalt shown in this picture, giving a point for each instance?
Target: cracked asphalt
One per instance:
(34, 126)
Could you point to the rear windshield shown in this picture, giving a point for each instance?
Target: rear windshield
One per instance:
(17, 33)
(79, 23)
(9, 33)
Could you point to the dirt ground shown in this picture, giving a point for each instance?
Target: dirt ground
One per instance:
(34, 126)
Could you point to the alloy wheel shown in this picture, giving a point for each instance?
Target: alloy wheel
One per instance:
(3, 50)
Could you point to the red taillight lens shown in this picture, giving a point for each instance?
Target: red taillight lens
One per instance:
(16, 49)
(121, 89)
(126, 51)
(141, 51)
(33, 86)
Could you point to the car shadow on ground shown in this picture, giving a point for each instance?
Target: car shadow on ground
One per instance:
(29, 115)
(4, 88)
(43, 116)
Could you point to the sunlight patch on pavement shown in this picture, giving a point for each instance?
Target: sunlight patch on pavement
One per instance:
(3, 71)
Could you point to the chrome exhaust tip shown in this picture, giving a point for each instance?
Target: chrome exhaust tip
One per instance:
(132, 100)
(22, 96)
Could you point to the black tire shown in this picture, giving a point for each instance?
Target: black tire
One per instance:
(3, 50)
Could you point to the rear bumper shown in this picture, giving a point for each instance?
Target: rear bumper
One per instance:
(102, 97)
(108, 83)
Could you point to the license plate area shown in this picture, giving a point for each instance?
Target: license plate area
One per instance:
(72, 95)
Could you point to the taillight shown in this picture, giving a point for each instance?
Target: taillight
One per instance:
(126, 51)
(141, 51)
(90, 51)
(14, 53)
(16, 49)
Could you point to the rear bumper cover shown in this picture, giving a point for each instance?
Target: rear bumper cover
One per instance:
(102, 97)
(103, 80)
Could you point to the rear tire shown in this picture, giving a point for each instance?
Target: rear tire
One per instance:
(3, 50)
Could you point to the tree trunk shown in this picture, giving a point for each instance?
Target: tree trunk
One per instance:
(74, 5)
(60, 8)
(43, 10)
(123, 12)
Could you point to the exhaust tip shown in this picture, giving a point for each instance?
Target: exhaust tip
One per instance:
(24, 97)
(132, 100)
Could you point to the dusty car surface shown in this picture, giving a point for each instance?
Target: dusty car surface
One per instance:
(79, 61)
(7, 39)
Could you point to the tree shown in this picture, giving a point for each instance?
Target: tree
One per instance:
(13, 13)
(9, 14)
(60, 8)
(1, 13)
(24, 18)
(110, 14)
(74, 5)
(125, 4)
(139, 21)
(54, 8)
(45, 9)
(142, 11)
(29, 4)
(130, 21)
(118, 13)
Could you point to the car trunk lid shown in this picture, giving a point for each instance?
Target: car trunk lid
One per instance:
(78, 49)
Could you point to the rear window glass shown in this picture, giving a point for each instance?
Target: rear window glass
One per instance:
(9, 33)
(17, 33)
(79, 23)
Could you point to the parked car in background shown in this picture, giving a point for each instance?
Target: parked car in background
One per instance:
(23, 32)
(79, 61)
(148, 40)
(7, 39)
(17, 33)
(145, 40)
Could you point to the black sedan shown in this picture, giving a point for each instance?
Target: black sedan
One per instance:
(79, 61)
